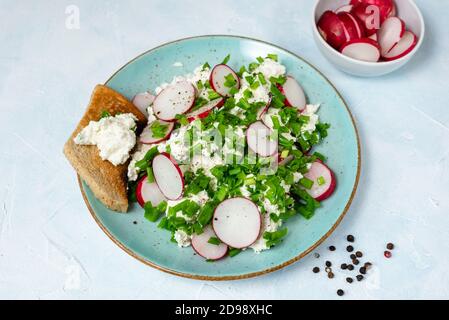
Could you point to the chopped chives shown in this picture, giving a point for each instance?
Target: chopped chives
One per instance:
(321, 181)
(306, 183)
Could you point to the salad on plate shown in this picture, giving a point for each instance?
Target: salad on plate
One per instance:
(226, 158)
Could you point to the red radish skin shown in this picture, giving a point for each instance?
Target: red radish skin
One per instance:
(201, 245)
(143, 100)
(390, 34)
(345, 8)
(173, 100)
(204, 111)
(237, 222)
(317, 170)
(258, 139)
(168, 176)
(332, 29)
(263, 110)
(146, 137)
(354, 28)
(386, 7)
(373, 37)
(362, 49)
(148, 192)
(217, 79)
(403, 47)
(294, 94)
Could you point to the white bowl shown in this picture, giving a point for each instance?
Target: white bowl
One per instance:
(406, 10)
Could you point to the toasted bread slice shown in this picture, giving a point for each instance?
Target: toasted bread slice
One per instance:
(107, 182)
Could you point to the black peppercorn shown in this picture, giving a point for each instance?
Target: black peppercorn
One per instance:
(349, 248)
(340, 292)
(316, 270)
(350, 238)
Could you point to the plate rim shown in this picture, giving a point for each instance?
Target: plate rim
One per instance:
(250, 274)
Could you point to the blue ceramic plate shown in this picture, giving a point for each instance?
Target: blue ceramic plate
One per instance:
(151, 245)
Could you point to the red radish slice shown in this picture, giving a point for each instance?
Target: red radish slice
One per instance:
(237, 222)
(354, 27)
(168, 176)
(373, 37)
(403, 47)
(263, 110)
(332, 29)
(345, 8)
(146, 137)
(143, 100)
(173, 100)
(319, 171)
(259, 139)
(204, 111)
(201, 245)
(148, 192)
(218, 78)
(294, 94)
(362, 49)
(390, 33)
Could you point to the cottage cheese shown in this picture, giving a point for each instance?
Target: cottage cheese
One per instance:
(270, 68)
(182, 238)
(133, 171)
(114, 137)
(310, 111)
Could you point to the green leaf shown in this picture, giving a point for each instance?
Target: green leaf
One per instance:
(233, 252)
(215, 241)
(273, 238)
(226, 59)
(153, 213)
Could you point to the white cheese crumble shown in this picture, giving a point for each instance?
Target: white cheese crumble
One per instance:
(114, 137)
(310, 111)
(140, 153)
(182, 238)
(270, 68)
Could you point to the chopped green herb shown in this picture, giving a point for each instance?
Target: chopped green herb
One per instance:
(226, 59)
(230, 81)
(233, 252)
(215, 241)
(105, 114)
(306, 183)
(153, 213)
(321, 181)
(273, 238)
(272, 56)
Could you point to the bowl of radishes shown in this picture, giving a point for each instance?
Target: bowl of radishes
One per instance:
(368, 37)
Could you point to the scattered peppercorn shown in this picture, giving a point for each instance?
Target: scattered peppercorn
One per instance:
(316, 270)
(330, 275)
(359, 254)
(350, 267)
(367, 265)
(135, 222)
(340, 292)
(362, 270)
(349, 280)
(328, 264)
(349, 248)
(390, 246)
(332, 248)
(328, 270)
(316, 255)
(344, 266)
(352, 256)
(359, 277)
(350, 238)
(387, 254)
(355, 262)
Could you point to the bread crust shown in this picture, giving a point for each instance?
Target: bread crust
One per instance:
(107, 182)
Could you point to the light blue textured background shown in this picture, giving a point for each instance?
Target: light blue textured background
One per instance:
(50, 246)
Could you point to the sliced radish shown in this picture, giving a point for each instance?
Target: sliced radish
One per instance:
(237, 222)
(261, 112)
(168, 176)
(354, 28)
(173, 100)
(218, 78)
(204, 111)
(147, 137)
(143, 100)
(294, 94)
(345, 8)
(362, 49)
(148, 192)
(201, 245)
(390, 34)
(332, 29)
(319, 171)
(260, 141)
(373, 37)
(403, 47)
